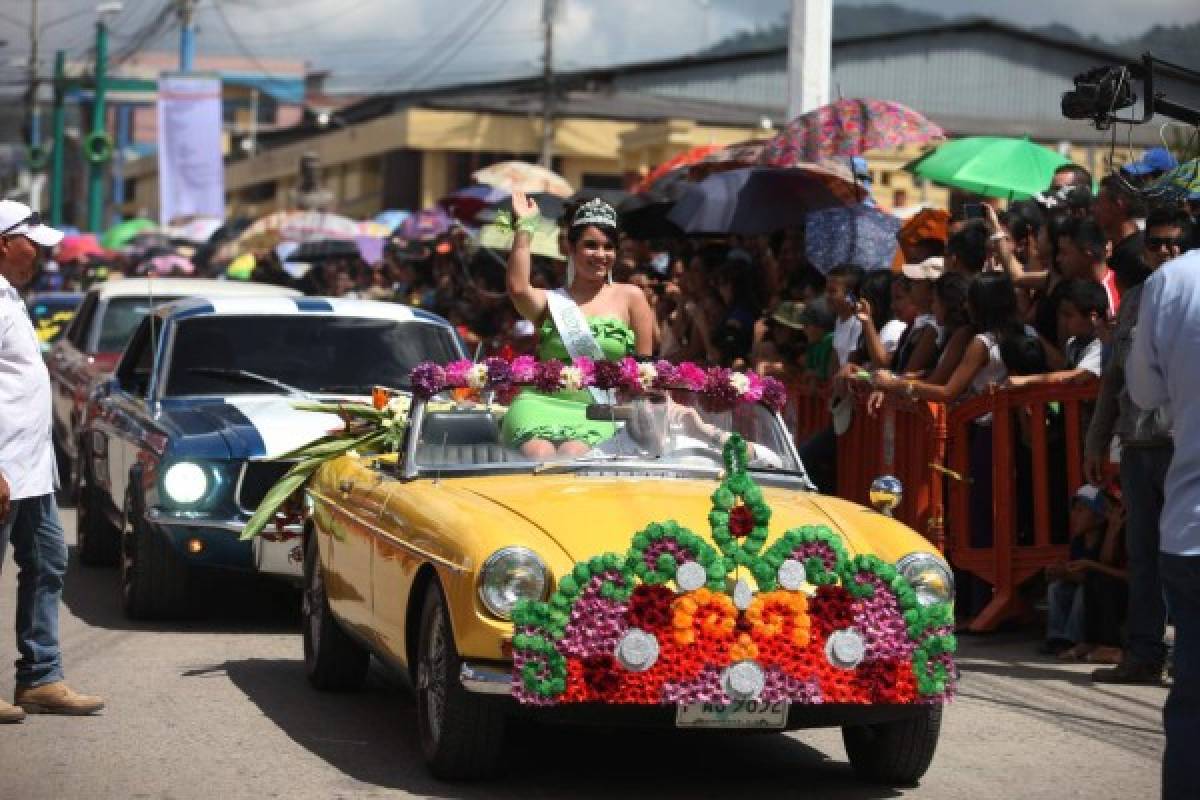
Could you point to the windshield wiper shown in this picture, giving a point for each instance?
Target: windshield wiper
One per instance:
(344, 388)
(791, 473)
(246, 374)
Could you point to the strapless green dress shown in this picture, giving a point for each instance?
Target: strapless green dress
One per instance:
(562, 416)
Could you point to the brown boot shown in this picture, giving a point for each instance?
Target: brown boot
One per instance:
(9, 713)
(56, 698)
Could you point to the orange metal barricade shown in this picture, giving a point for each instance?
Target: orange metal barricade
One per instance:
(1006, 563)
(810, 408)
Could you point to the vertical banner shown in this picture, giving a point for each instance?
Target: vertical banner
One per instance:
(191, 169)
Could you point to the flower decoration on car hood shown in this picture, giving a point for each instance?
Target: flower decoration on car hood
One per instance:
(675, 620)
(721, 388)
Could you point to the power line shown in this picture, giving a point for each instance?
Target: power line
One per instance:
(218, 6)
(481, 22)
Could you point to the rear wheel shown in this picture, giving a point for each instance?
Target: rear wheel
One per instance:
(154, 581)
(894, 753)
(462, 734)
(332, 660)
(98, 540)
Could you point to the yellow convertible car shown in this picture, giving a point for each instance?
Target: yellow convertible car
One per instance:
(682, 573)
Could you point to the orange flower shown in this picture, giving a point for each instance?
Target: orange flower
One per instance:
(703, 614)
(780, 614)
(379, 397)
(744, 648)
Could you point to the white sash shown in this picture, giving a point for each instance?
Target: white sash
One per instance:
(577, 336)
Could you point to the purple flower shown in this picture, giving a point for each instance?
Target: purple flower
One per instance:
(523, 369)
(667, 377)
(456, 373)
(631, 380)
(755, 391)
(718, 389)
(547, 376)
(690, 376)
(427, 379)
(607, 375)
(774, 394)
(499, 373)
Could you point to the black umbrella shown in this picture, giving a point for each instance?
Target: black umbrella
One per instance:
(644, 215)
(549, 205)
(324, 250)
(761, 200)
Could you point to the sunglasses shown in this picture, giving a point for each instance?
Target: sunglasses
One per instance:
(1155, 242)
(33, 220)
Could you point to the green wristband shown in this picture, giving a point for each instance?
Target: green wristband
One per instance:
(529, 225)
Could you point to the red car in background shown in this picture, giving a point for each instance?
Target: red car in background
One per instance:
(92, 345)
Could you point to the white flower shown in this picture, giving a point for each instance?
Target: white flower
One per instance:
(647, 374)
(477, 376)
(571, 378)
(387, 422)
(399, 405)
(739, 382)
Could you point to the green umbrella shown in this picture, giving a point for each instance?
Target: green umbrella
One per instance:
(990, 165)
(119, 235)
(545, 239)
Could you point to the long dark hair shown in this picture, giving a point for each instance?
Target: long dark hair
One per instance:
(951, 291)
(992, 301)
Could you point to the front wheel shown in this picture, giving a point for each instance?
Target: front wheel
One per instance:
(894, 753)
(154, 580)
(462, 734)
(332, 660)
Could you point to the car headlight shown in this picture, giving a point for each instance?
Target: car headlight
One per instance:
(185, 483)
(509, 575)
(931, 579)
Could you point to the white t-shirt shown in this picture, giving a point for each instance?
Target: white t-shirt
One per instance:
(846, 333)
(1089, 355)
(891, 333)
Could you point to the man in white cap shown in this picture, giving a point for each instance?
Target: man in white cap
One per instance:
(28, 512)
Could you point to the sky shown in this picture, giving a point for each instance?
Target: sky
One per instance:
(399, 44)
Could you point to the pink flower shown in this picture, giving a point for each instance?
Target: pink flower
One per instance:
(630, 378)
(690, 376)
(754, 392)
(523, 369)
(587, 371)
(456, 373)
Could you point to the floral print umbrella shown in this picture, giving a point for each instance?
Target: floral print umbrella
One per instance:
(861, 235)
(734, 156)
(1181, 183)
(847, 128)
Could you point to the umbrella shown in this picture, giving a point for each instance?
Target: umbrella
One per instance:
(861, 235)
(119, 235)
(197, 230)
(644, 215)
(991, 165)
(170, 264)
(289, 226)
(518, 176)
(392, 218)
(424, 225)
(465, 203)
(372, 228)
(77, 248)
(846, 128)
(1180, 183)
(684, 159)
(734, 156)
(760, 200)
(544, 243)
(324, 250)
(550, 206)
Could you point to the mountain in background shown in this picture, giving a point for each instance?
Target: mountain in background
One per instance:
(1176, 43)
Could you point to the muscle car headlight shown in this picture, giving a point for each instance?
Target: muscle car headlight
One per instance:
(185, 483)
(509, 575)
(931, 579)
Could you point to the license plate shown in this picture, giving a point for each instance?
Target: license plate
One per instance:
(743, 714)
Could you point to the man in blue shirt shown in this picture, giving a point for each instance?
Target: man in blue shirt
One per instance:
(1162, 371)
(28, 512)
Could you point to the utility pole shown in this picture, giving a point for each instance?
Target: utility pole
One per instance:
(56, 155)
(31, 97)
(99, 167)
(187, 35)
(549, 9)
(810, 45)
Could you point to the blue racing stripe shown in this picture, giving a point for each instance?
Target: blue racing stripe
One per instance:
(314, 304)
(191, 308)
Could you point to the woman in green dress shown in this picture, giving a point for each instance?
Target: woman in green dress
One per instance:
(619, 323)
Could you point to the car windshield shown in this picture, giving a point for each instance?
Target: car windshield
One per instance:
(668, 431)
(121, 319)
(309, 353)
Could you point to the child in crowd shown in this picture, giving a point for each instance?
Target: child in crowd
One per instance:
(1064, 592)
(818, 332)
(841, 293)
(1082, 310)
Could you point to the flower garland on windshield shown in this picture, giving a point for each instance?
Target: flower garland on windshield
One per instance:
(721, 387)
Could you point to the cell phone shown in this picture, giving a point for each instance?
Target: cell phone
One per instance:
(973, 211)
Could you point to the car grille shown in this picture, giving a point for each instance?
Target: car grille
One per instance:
(256, 480)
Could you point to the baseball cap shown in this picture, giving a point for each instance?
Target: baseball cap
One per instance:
(789, 314)
(1156, 159)
(18, 219)
(928, 270)
(1093, 498)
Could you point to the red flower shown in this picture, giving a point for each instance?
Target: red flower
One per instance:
(741, 521)
(650, 608)
(599, 674)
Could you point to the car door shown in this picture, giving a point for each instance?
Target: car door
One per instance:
(356, 509)
(394, 566)
(127, 408)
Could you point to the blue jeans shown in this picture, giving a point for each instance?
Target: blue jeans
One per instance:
(1065, 619)
(41, 555)
(1143, 477)
(1181, 715)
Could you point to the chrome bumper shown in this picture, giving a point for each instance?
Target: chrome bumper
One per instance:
(483, 679)
(281, 558)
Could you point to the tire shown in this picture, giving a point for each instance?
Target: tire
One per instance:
(66, 472)
(154, 581)
(462, 734)
(332, 660)
(98, 539)
(894, 753)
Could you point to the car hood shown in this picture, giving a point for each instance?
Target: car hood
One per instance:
(587, 515)
(249, 427)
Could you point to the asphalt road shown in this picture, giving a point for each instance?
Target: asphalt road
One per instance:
(219, 708)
